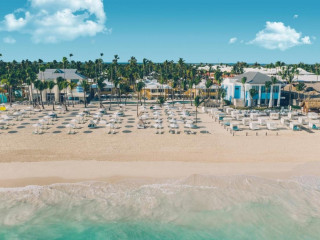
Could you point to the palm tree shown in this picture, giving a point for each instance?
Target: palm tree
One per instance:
(64, 62)
(70, 55)
(60, 85)
(50, 86)
(100, 85)
(253, 92)
(139, 87)
(219, 79)
(288, 75)
(65, 85)
(161, 100)
(273, 82)
(116, 83)
(300, 87)
(31, 77)
(39, 85)
(243, 82)
(197, 103)
(208, 85)
(125, 89)
(190, 86)
(72, 86)
(267, 85)
(86, 87)
(115, 65)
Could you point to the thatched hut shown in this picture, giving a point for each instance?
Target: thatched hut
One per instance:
(312, 104)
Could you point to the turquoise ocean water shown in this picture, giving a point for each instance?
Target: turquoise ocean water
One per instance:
(198, 207)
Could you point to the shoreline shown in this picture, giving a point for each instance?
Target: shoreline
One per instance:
(21, 174)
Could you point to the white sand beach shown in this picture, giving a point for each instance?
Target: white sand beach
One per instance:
(92, 154)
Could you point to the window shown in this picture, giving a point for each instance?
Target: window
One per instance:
(275, 89)
(256, 88)
(263, 89)
(50, 97)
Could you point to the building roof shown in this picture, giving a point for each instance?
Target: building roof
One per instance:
(310, 87)
(253, 78)
(202, 85)
(51, 74)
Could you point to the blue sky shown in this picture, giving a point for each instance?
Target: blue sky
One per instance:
(198, 31)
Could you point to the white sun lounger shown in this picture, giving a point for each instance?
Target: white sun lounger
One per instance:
(254, 126)
(272, 126)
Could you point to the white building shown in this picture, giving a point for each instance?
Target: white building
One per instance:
(71, 75)
(236, 94)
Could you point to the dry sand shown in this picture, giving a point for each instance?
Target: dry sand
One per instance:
(95, 155)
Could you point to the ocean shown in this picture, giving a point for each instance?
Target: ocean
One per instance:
(198, 207)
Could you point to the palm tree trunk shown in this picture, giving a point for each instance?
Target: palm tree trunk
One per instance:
(41, 100)
(196, 114)
(290, 87)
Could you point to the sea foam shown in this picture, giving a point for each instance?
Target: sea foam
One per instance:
(197, 207)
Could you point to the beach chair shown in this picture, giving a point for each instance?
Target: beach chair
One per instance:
(234, 127)
(246, 121)
(285, 120)
(272, 126)
(70, 129)
(313, 115)
(292, 115)
(239, 116)
(274, 116)
(254, 116)
(302, 120)
(254, 126)
(226, 121)
(229, 110)
(295, 126)
(314, 125)
(262, 121)
(92, 125)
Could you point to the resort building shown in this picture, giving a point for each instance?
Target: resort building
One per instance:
(236, 92)
(201, 90)
(108, 91)
(71, 75)
(153, 89)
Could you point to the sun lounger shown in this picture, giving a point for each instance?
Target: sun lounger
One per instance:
(272, 126)
(295, 126)
(254, 126)
(254, 116)
(285, 120)
(246, 121)
(226, 121)
(262, 121)
(292, 115)
(274, 116)
(302, 120)
(234, 127)
(313, 115)
(92, 125)
(314, 125)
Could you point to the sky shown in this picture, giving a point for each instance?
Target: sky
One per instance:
(199, 31)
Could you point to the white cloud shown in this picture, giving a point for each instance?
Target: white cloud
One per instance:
(295, 16)
(278, 36)
(52, 21)
(233, 40)
(9, 40)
